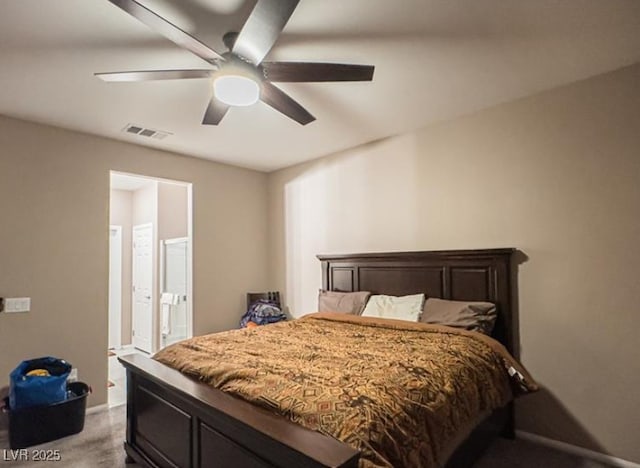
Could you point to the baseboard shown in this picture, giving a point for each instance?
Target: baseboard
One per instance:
(97, 409)
(575, 450)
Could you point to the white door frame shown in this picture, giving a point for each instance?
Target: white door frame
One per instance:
(189, 260)
(115, 288)
(152, 345)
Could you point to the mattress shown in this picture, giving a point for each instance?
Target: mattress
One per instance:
(402, 393)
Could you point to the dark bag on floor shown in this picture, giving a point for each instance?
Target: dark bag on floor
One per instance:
(262, 312)
(34, 390)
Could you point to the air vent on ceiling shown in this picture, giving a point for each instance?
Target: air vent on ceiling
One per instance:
(146, 132)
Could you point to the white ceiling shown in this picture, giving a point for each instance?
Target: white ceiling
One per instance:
(130, 183)
(434, 59)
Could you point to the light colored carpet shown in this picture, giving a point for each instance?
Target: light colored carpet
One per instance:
(100, 445)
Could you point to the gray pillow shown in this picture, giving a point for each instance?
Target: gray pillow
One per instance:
(475, 316)
(349, 303)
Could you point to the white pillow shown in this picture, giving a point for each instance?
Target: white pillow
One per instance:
(395, 307)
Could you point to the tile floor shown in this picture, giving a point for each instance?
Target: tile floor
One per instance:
(117, 376)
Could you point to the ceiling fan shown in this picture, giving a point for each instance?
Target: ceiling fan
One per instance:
(239, 76)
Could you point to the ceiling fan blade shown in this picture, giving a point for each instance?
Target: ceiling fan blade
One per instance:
(150, 75)
(282, 102)
(216, 110)
(167, 29)
(289, 72)
(262, 28)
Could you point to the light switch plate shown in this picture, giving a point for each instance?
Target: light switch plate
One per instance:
(14, 305)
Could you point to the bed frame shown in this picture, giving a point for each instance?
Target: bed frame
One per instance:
(175, 421)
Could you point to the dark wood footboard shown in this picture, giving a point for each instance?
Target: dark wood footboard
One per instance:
(174, 421)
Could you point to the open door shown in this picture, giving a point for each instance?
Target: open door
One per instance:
(142, 276)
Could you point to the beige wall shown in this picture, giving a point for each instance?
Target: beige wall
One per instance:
(172, 211)
(54, 199)
(121, 214)
(556, 175)
(145, 205)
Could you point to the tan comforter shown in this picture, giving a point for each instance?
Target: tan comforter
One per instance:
(398, 391)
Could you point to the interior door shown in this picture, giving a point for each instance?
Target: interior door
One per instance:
(143, 287)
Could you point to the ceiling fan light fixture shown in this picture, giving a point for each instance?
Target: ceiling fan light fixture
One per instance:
(236, 90)
(240, 77)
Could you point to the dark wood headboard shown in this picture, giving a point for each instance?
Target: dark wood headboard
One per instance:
(463, 275)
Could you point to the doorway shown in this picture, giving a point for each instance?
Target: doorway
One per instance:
(150, 274)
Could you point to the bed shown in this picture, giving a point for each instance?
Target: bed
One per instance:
(176, 421)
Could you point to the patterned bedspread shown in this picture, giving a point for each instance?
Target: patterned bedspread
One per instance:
(398, 391)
